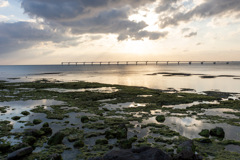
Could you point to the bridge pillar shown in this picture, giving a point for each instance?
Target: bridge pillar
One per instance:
(136, 62)
(100, 63)
(190, 63)
(167, 62)
(127, 63)
(69, 63)
(108, 63)
(178, 62)
(92, 63)
(76, 63)
(157, 63)
(146, 62)
(201, 62)
(117, 63)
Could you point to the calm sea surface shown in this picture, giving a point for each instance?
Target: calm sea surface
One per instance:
(134, 75)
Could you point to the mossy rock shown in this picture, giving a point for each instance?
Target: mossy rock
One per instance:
(127, 144)
(45, 124)
(46, 130)
(33, 132)
(204, 133)
(25, 113)
(160, 118)
(217, 132)
(101, 141)
(15, 118)
(56, 139)
(37, 121)
(30, 140)
(78, 144)
(84, 119)
(203, 140)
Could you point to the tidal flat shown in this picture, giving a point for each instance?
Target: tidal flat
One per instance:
(82, 120)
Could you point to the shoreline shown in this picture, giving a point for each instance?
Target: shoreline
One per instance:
(87, 117)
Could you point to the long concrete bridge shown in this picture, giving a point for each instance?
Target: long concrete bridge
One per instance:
(144, 62)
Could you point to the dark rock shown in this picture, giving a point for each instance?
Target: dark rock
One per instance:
(204, 133)
(45, 124)
(37, 121)
(25, 113)
(19, 153)
(101, 141)
(29, 140)
(218, 132)
(55, 156)
(46, 130)
(4, 147)
(186, 151)
(160, 118)
(144, 153)
(33, 132)
(56, 139)
(78, 144)
(127, 144)
(84, 119)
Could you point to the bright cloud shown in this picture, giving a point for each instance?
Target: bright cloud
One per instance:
(3, 3)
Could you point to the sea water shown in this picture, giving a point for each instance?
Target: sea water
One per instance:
(134, 75)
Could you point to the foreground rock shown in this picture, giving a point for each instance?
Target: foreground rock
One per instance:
(217, 132)
(143, 153)
(20, 153)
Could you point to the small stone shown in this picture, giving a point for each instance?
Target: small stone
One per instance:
(84, 119)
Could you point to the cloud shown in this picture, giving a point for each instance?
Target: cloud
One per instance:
(93, 16)
(22, 35)
(206, 9)
(190, 34)
(3, 3)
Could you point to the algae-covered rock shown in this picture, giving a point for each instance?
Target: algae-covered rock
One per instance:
(101, 141)
(186, 150)
(33, 132)
(203, 140)
(56, 139)
(204, 133)
(78, 144)
(15, 118)
(25, 113)
(29, 140)
(127, 144)
(84, 119)
(160, 118)
(18, 154)
(218, 132)
(45, 124)
(46, 130)
(37, 121)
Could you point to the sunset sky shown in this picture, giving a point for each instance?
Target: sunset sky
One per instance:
(52, 31)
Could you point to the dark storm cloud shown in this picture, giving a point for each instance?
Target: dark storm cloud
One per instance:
(209, 8)
(92, 16)
(21, 35)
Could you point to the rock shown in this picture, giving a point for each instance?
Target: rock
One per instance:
(218, 132)
(127, 144)
(144, 153)
(33, 132)
(56, 139)
(101, 141)
(73, 137)
(204, 133)
(46, 130)
(37, 121)
(45, 124)
(19, 153)
(4, 147)
(203, 140)
(16, 118)
(186, 151)
(160, 118)
(25, 113)
(84, 119)
(78, 144)
(29, 140)
(119, 132)
(55, 156)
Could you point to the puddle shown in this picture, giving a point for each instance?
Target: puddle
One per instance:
(184, 106)
(100, 90)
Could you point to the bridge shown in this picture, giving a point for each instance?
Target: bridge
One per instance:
(144, 62)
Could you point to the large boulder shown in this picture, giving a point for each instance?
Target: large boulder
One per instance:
(186, 151)
(20, 153)
(143, 153)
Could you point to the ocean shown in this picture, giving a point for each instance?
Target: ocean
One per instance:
(206, 77)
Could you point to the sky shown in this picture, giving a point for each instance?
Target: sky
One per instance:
(53, 31)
